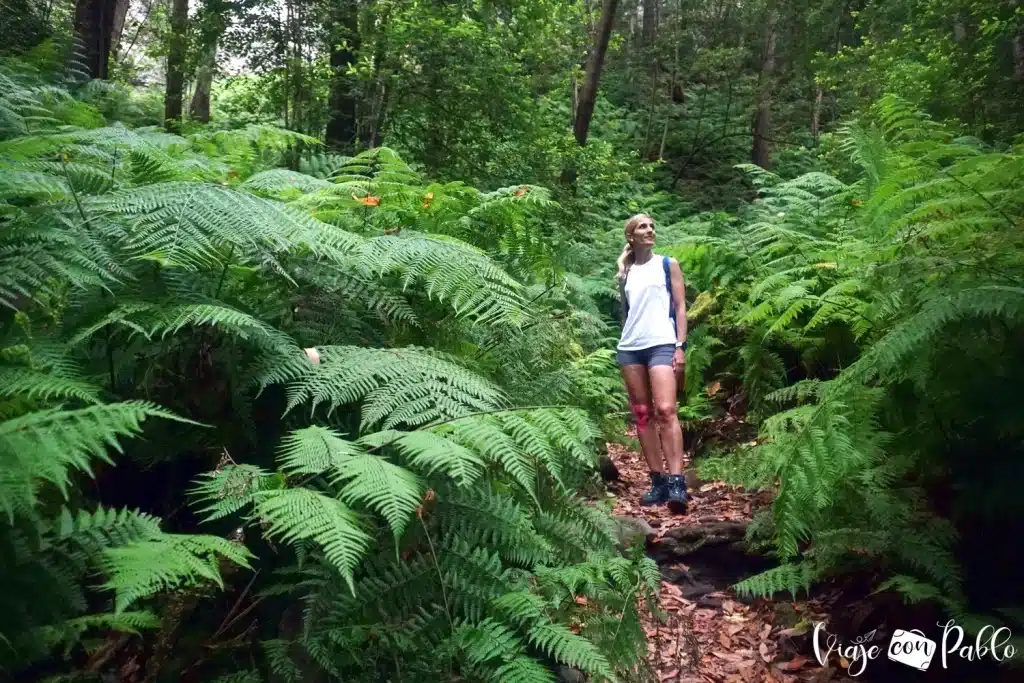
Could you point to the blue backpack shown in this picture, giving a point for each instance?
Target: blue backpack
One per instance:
(668, 285)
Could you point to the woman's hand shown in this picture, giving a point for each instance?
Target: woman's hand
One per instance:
(679, 361)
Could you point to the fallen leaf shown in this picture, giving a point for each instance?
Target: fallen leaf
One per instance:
(844, 663)
(521, 191)
(793, 664)
(733, 629)
(668, 675)
(729, 606)
(765, 630)
(764, 652)
(581, 600)
(724, 640)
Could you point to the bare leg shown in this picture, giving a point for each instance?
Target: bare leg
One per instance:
(663, 389)
(638, 388)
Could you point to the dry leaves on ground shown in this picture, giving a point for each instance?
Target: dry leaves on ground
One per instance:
(718, 639)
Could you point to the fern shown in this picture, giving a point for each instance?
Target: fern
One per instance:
(143, 568)
(409, 386)
(873, 287)
(299, 514)
(47, 445)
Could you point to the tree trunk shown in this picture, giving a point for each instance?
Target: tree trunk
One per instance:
(199, 109)
(816, 114)
(594, 65)
(650, 22)
(371, 128)
(1018, 51)
(120, 12)
(341, 120)
(959, 29)
(93, 30)
(176, 66)
(761, 154)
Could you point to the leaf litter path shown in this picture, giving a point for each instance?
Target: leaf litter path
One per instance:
(713, 637)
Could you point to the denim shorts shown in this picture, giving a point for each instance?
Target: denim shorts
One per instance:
(652, 356)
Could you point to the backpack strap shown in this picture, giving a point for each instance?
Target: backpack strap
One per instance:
(668, 285)
(624, 299)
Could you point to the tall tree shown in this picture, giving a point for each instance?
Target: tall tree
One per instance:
(1018, 48)
(650, 21)
(341, 119)
(93, 31)
(581, 126)
(176, 65)
(761, 152)
(210, 26)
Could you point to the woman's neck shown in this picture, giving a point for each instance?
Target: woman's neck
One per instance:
(642, 255)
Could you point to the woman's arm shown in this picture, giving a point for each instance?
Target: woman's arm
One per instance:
(679, 298)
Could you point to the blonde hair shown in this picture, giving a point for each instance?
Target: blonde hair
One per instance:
(627, 257)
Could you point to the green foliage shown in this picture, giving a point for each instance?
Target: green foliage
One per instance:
(874, 290)
(406, 491)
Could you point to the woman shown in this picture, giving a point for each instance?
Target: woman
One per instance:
(652, 355)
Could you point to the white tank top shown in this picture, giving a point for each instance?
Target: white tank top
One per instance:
(648, 323)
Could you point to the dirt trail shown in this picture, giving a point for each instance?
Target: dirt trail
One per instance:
(711, 635)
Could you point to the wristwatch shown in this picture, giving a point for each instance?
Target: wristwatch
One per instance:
(682, 345)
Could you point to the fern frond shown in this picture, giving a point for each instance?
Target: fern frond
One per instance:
(46, 445)
(389, 378)
(299, 514)
(143, 568)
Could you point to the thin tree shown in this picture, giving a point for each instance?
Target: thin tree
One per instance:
(341, 119)
(761, 153)
(176, 66)
(581, 126)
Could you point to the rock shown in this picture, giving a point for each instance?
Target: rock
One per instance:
(693, 482)
(568, 674)
(708, 602)
(679, 542)
(689, 587)
(715, 531)
(676, 575)
(696, 590)
(631, 530)
(609, 472)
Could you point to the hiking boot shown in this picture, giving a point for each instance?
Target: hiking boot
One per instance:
(658, 492)
(675, 494)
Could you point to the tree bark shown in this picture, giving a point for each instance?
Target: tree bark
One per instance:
(120, 12)
(199, 109)
(761, 153)
(650, 22)
(341, 120)
(816, 114)
(595, 63)
(93, 31)
(176, 66)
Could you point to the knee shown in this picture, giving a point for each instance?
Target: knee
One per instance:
(665, 413)
(642, 413)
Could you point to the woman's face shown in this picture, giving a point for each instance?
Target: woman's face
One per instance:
(643, 234)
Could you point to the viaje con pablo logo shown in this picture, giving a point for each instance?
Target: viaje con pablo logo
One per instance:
(913, 648)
